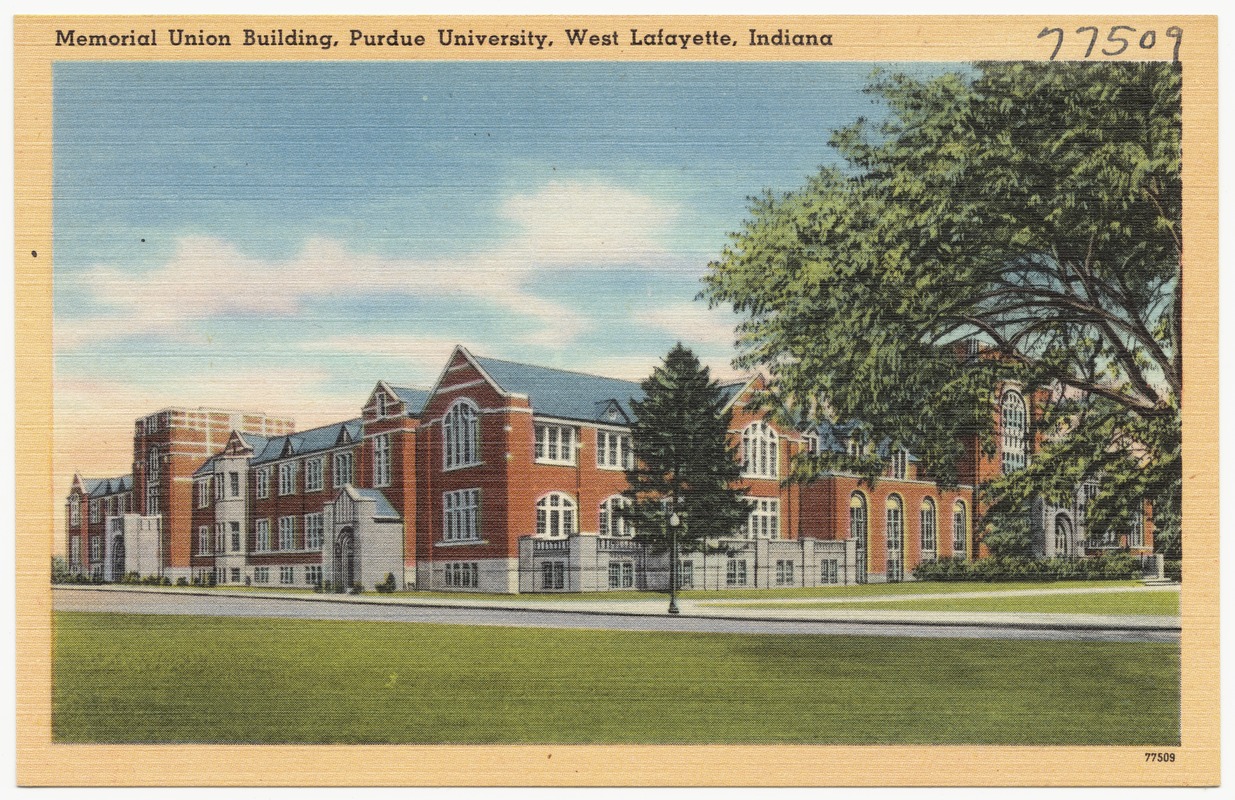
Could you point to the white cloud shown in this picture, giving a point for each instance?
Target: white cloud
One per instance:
(694, 324)
(572, 223)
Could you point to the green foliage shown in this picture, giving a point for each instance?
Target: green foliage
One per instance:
(1173, 570)
(1008, 533)
(387, 586)
(182, 581)
(1034, 208)
(682, 450)
(1112, 567)
(60, 570)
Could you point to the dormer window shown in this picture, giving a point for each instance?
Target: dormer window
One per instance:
(381, 404)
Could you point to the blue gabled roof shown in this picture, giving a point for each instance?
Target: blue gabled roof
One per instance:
(311, 441)
(384, 509)
(207, 467)
(254, 440)
(101, 487)
(413, 399)
(834, 437)
(561, 393)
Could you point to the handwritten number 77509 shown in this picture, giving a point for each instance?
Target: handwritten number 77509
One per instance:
(1118, 39)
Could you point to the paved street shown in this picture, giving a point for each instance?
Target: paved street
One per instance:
(637, 615)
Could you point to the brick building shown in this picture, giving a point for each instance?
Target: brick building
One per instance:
(507, 477)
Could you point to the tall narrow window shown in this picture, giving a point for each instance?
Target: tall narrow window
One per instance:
(1014, 425)
(960, 529)
(203, 540)
(152, 500)
(462, 434)
(461, 515)
(313, 475)
(900, 463)
(287, 478)
(261, 535)
(381, 460)
(929, 533)
(152, 464)
(342, 469)
(760, 451)
(287, 533)
(555, 515)
(234, 483)
(262, 483)
(313, 528)
(1136, 529)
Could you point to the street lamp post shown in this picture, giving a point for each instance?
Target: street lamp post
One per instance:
(674, 522)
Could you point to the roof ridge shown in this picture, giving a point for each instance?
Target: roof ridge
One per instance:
(555, 369)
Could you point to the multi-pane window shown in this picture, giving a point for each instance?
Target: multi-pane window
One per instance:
(960, 528)
(828, 571)
(203, 493)
(463, 574)
(342, 469)
(261, 534)
(613, 450)
(220, 538)
(926, 517)
(75, 551)
(784, 573)
(764, 519)
(611, 522)
(900, 463)
(857, 519)
(313, 574)
(760, 451)
(203, 539)
(261, 574)
(461, 515)
(94, 510)
(287, 478)
(1063, 535)
(621, 575)
(74, 511)
(233, 483)
(313, 531)
(152, 464)
(235, 574)
(235, 536)
(553, 575)
(1136, 529)
(1014, 425)
(462, 433)
(686, 574)
(287, 533)
(812, 443)
(381, 460)
(854, 446)
(896, 523)
(218, 486)
(263, 483)
(313, 475)
(152, 500)
(96, 548)
(555, 515)
(287, 575)
(555, 444)
(735, 572)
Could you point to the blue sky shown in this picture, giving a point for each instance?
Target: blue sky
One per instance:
(281, 236)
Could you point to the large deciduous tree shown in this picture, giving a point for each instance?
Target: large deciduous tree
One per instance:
(1031, 208)
(684, 457)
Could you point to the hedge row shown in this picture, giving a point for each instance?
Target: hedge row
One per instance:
(1116, 566)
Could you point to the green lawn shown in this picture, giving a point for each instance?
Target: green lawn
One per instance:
(133, 678)
(1118, 603)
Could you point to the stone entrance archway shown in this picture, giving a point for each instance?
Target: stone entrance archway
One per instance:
(345, 567)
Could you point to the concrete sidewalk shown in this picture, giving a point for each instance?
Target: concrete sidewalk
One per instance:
(656, 605)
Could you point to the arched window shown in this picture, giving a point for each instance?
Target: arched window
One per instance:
(462, 434)
(960, 528)
(896, 523)
(760, 451)
(895, 539)
(611, 524)
(1013, 425)
(858, 528)
(1063, 536)
(555, 515)
(929, 529)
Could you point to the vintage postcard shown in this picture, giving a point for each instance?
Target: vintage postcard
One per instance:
(617, 400)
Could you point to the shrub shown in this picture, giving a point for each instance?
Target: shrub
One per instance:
(357, 588)
(1173, 570)
(182, 581)
(387, 586)
(1116, 566)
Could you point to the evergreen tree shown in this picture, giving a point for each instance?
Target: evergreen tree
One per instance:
(683, 451)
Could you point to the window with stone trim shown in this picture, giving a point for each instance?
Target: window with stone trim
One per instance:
(555, 515)
(613, 450)
(611, 522)
(760, 451)
(342, 474)
(287, 478)
(461, 515)
(261, 535)
(381, 460)
(555, 444)
(461, 428)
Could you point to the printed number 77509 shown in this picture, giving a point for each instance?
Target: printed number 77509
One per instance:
(1165, 758)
